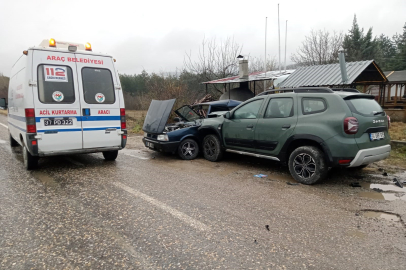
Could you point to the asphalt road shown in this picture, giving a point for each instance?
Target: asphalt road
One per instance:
(152, 211)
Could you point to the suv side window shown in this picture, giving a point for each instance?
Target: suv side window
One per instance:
(313, 105)
(249, 110)
(279, 108)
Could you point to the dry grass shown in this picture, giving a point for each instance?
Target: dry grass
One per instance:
(397, 131)
(135, 121)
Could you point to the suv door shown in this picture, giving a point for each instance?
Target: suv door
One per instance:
(56, 101)
(276, 126)
(238, 131)
(100, 101)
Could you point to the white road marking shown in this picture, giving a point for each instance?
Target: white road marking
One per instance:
(143, 158)
(74, 161)
(4, 125)
(182, 216)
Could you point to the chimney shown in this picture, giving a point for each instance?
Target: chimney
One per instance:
(343, 66)
(243, 68)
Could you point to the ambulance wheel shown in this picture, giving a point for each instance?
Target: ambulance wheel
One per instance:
(13, 143)
(30, 162)
(110, 155)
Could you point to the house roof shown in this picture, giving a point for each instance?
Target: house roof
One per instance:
(396, 76)
(255, 76)
(330, 75)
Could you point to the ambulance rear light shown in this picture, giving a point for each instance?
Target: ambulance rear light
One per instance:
(88, 46)
(30, 121)
(52, 42)
(122, 119)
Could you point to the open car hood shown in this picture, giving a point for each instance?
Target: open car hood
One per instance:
(157, 115)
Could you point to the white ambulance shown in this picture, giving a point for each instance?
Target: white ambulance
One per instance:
(65, 99)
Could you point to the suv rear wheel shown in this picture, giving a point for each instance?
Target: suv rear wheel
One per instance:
(188, 149)
(212, 149)
(307, 165)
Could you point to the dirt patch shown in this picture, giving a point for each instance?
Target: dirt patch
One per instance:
(4, 112)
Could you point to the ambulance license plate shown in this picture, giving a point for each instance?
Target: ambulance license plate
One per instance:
(376, 136)
(58, 122)
(150, 145)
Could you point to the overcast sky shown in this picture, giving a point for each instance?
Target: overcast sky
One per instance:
(154, 35)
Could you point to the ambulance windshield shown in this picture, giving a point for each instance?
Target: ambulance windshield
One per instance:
(98, 86)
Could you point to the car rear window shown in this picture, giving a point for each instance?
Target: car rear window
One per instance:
(98, 87)
(313, 105)
(55, 84)
(364, 106)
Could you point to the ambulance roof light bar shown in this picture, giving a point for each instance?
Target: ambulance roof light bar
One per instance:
(52, 42)
(88, 46)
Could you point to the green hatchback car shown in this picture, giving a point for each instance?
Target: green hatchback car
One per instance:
(309, 129)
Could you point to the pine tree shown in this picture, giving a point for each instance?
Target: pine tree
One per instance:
(360, 46)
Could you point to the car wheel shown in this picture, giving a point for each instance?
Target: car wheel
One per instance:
(188, 149)
(30, 162)
(212, 149)
(110, 155)
(13, 143)
(307, 165)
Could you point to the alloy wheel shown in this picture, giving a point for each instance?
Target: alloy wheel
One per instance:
(188, 149)
(304, 165)
(210, 147)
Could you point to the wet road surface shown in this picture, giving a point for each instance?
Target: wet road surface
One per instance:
(152, 211)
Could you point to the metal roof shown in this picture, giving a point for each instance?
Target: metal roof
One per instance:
(396, 76)
(327, 75)
(255, 76)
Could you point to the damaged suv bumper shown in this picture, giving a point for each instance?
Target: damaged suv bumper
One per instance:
(367, 156)
(167, 147)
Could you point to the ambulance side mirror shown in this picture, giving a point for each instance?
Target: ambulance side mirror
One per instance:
(3, 103)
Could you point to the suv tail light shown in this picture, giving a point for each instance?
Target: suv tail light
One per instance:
(30, 120)
(350, 125)
(388, 121)
(122, 118)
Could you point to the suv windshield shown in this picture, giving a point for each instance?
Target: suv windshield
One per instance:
(187, 113)
(366, 107)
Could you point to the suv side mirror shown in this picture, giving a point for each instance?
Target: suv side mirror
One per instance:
(3, 103)
(227, 115)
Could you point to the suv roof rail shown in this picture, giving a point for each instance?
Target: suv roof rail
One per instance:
(352, 90)
(298, 90)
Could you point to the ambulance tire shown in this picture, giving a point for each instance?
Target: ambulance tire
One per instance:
(13, 143)
(30, 161)
(110, 155)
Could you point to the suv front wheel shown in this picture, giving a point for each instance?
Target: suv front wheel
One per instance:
(307, 165)
(212, 149)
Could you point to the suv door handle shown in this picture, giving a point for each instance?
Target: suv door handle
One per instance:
(286, 126)
(250, 126)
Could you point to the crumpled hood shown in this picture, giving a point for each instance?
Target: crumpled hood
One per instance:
(157, 116)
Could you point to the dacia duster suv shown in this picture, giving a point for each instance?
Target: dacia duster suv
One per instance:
(310, 129)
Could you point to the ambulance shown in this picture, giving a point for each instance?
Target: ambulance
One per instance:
(65, 99)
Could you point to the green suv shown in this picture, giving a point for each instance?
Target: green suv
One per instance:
(309, 129)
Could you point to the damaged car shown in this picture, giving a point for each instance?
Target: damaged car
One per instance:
(181, 136)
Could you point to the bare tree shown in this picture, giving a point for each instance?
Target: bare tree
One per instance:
(319, 48)
(215, 60)
(257, 64)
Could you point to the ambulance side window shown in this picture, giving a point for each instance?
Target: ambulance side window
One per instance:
(55, 84)
(98, 87)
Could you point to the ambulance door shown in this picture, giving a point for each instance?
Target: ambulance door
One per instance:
(56, 101)
(99, 100)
